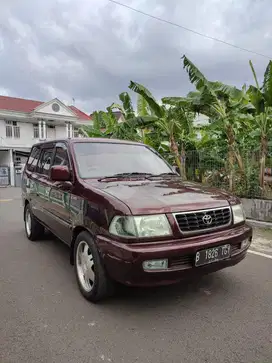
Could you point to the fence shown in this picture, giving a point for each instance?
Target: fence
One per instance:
(239, 174)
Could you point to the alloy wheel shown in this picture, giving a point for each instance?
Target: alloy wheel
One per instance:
(28, 222)
(85, 266)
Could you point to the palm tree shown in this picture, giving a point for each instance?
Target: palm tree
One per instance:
(261, 98)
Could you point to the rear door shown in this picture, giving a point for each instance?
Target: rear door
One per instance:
(60, 196)
(30, 179)
(43, 184)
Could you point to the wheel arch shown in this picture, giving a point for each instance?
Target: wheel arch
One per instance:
(76, 231)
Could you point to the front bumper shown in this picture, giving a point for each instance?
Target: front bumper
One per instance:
(124, 261)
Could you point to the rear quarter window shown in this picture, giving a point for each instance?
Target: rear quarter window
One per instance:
(33, 159)
(45, 161)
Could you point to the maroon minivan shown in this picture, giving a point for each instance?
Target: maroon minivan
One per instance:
(127, 216)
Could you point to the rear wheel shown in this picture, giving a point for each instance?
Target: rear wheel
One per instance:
(33, 228)
(91, 275)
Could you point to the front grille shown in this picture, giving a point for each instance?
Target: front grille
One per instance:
(203, 220)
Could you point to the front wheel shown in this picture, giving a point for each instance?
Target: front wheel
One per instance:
(91, 275)
(33, 228)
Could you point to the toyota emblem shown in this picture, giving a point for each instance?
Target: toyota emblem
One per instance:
(207, 219)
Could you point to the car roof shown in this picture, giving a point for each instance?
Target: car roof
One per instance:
(87, 139)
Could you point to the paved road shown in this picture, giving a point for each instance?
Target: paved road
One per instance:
(223, 318)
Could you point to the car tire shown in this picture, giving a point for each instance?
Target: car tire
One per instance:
(92, 278)
(33, 228)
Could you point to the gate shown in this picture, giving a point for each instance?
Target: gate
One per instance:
(4, 176)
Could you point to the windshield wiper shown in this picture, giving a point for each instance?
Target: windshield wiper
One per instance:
(162, 174)
(125, 175)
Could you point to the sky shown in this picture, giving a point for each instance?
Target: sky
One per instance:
(89, 50)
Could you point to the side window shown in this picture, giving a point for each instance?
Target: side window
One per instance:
(61, 156)
(45, 161)
(33, 159)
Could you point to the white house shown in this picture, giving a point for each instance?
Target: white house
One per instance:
(25, 122)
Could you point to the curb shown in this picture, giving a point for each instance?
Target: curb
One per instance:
(259, 224)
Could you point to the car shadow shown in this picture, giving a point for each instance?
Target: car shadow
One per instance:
(183, 293)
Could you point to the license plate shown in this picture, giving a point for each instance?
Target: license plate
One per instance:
(211, 255)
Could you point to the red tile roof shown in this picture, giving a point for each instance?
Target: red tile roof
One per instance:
(80, 114)
(23, 105)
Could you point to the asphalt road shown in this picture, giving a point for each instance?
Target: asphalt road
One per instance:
(222, 318)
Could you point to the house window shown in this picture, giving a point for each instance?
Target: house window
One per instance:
(12, 129)
(8, 129)
(16, 132)
(75, 133)
(36, 131)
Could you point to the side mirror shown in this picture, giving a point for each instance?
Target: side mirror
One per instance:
(60, 173)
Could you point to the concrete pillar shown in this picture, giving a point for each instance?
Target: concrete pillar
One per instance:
(11, 168)
(69, 130)
(40, 130)
(44, 130)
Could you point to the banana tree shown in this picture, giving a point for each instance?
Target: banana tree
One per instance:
(105, 124)
(138, 119)
(99, 126)
(226, 106)
(261, 98)
(167, 121)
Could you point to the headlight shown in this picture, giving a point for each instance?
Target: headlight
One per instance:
(238, 214)
(140, 226)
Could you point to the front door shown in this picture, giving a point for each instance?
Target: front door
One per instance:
(51, 132)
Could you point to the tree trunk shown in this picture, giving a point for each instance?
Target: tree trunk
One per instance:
(240, 161)
(231, 169)
(236, 153)
(175, 151)
(264, 146)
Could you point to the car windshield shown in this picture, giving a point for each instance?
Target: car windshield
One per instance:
(96, 159)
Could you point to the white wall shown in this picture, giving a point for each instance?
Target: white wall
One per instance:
(26, 135)
(201, 120)
(60, 132)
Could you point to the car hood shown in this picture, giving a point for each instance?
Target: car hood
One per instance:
(163, 196)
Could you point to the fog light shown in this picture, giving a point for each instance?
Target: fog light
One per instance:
(245, 244)
(155, 265)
